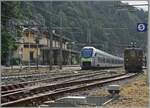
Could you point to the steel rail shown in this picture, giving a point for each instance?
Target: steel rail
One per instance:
(40, 98)
(72, 88)
(22, 76)
(55, 85)
(13, 87)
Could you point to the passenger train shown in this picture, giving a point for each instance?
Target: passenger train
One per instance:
(94, 58)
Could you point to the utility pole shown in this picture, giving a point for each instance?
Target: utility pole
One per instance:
(89, 36)
(70, 54)
(89, 32)
(37, 45)
(37, 55)
(20, 57)
(60, 39)
(29, 47)
(148, 48)
(50, 49)
(9, 56)
(50, 42)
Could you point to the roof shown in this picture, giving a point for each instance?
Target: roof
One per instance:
(67, 50)
(35, 30)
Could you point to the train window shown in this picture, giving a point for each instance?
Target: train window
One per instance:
(98, 59)
(95, 54)
(112, 60)
(107, 60)
(132, 53)
(103, 59)
(87, 53)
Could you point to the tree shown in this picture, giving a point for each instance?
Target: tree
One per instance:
(9, 10)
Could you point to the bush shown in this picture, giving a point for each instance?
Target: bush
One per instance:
(15, 61)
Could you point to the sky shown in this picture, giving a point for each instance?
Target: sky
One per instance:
(145, 8)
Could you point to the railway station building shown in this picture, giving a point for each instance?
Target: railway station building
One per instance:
(32, 47)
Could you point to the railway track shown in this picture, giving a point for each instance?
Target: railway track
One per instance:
(22, 76)
(15, 78)
(19, 86)
(36, 95)
(25, 75)
(23, 72)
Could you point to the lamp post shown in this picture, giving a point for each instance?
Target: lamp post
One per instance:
(20, 56)
(148, 48)
(51, 48)
(70, 44)
(60, 40)
(70, 54)
(37, 44)
(51, 41)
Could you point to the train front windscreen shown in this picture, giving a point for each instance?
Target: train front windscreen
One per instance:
(87, 53)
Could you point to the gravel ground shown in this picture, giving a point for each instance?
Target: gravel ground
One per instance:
(52, 73)
(134, 94)
(46, 70)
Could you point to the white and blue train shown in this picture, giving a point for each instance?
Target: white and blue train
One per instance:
(94, 58)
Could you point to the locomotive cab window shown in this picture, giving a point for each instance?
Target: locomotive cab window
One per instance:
(132, 53)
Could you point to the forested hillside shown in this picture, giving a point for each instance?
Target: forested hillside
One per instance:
(109, 25)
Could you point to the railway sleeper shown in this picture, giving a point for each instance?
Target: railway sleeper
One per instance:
(45, 96)
(34, 91)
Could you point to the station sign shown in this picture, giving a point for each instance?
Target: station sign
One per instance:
(141, 27)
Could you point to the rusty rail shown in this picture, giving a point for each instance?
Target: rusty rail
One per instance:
(41, 97)
(17, 87)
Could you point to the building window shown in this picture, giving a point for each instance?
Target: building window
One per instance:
(53, 43)
(57, 45)
(31, 55)
(63, 46)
